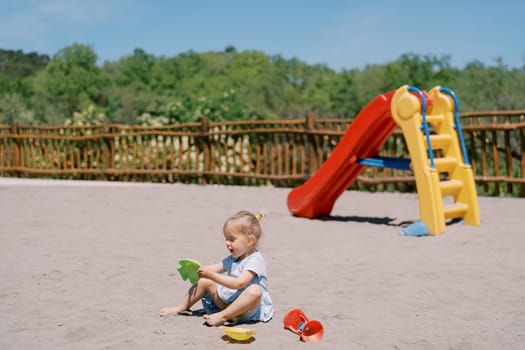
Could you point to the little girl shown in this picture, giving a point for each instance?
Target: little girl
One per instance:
(236, 289)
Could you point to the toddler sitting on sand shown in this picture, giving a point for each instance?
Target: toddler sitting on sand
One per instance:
(236, 289)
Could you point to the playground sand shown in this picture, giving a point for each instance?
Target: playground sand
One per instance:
(88, 265)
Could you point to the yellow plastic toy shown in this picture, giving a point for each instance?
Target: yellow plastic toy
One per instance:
(238, 333)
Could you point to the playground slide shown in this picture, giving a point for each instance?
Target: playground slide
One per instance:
(363, 139)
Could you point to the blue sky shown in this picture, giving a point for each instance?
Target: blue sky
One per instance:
(341, 34)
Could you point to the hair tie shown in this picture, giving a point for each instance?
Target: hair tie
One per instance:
(259, 216)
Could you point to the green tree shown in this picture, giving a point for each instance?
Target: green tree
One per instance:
(344, 95)
(16, 72)
(13, 109)
(129, 91)
(71, 80)
(135, 69)
(230, 85)
(16, 65)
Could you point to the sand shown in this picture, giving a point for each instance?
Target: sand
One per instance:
(88, 265)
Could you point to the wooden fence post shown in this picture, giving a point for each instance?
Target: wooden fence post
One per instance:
(107, 146)
(313, 162)
(205, 142)
(522, 142)
(16, 150)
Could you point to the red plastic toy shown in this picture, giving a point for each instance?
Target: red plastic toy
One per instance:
(308, 330)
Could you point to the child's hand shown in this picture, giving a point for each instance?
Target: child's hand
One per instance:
(206, 272)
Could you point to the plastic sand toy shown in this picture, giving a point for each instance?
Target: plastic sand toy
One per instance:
(189, 270)
(238, 333)
(308, 330)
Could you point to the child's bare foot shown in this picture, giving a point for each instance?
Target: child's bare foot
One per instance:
(170, 311)
(214, 320)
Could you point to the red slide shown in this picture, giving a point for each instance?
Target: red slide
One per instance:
(363, 139)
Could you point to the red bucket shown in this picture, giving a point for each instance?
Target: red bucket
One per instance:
(294, 320)
(312, 331)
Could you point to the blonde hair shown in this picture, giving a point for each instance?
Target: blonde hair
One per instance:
(245, 223)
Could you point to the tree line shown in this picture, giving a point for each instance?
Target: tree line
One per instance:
(140, 88)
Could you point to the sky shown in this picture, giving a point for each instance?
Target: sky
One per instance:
(337, 33)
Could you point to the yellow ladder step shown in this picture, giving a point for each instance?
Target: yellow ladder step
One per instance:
(444, 164)
(435, 118)
(440, 141)
(456, 210)
(450, 187)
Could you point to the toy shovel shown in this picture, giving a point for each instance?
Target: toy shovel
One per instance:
(189, 270)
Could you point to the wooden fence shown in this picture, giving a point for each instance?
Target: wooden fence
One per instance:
(280, 153)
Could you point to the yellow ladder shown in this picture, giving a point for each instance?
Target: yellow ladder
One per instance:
(444, 178)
